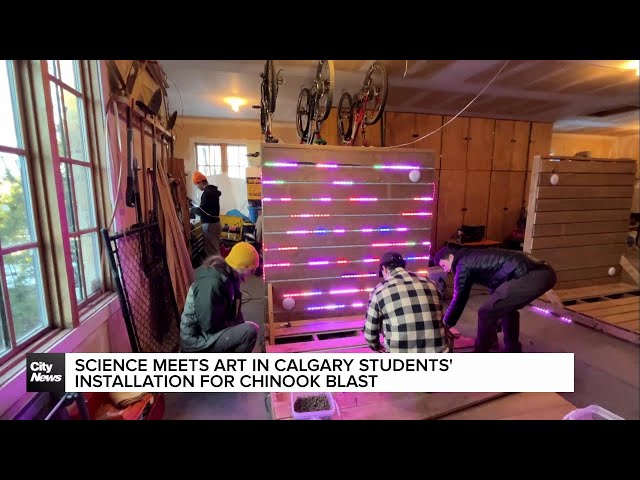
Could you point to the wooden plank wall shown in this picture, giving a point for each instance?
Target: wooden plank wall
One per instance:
(322, 225)
(580, 224)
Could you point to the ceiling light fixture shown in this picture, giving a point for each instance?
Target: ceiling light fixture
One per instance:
(235, 102)
(633, 65)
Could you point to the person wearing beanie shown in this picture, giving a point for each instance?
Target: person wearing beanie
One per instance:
(209, 212)
(212, 319)
(406, 310)
(514, 280)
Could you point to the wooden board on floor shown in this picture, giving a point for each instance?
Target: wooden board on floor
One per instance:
(389, 406)
(613, 309)
(595, 291)
(518, 406)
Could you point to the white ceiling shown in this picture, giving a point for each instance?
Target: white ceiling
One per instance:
(564, 92)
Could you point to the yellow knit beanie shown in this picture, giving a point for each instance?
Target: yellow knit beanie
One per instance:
(243, 255)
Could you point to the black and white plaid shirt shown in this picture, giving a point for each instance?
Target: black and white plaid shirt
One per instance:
(408, 307)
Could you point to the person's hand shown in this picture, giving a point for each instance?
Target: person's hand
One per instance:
(380, 348)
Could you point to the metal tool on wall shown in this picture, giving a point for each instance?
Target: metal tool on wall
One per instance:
(152, 110)
(132, 194)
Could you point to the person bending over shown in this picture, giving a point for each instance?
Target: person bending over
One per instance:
(212, 319)
(406, 310)
(514, 279)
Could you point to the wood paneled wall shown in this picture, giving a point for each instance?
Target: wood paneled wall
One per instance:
(329, 214)
(579, 225)
(484, 166)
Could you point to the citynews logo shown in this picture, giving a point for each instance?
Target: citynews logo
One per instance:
(45, 372)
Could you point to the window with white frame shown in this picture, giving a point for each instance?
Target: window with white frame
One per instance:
(209, 159)
(237, 161)
(49, 221)
(22, 309)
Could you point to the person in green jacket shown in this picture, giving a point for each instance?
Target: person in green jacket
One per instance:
(212, 318)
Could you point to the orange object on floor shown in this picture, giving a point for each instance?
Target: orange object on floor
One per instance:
(100, 406)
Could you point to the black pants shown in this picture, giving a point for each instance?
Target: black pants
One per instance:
(239, 339)
(503, 305)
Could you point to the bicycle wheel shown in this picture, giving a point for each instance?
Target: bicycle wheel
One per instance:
(345, 117)
(303, 116)
(377, 84)
(325, 80)
(272, 85)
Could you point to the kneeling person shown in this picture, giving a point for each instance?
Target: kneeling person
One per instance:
(212, 319)
(406, 309)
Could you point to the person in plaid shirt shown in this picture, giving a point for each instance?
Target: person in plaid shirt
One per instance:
(406, 309)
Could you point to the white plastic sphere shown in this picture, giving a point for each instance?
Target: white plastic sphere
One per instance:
(554, 179)
(288, 303)
(414, 175)
(612, 271)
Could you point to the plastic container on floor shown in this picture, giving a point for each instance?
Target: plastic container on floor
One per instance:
(316, 415)
(592, 412)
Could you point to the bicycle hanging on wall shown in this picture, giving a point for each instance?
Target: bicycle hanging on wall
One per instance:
(268, 94)
(364, 108)
(314, 104)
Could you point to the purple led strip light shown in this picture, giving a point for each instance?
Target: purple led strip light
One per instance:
(336, 307)
(318, 215)
(352, 199)
(550, 313)
(337, 182)
(342, 230)
(335, 165)
(337, 262)
(395, 244)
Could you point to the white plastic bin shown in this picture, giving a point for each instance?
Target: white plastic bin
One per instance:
(592, 412)
(317, 415)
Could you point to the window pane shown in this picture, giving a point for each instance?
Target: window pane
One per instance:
(9, 116)
(69, 74)
(56, 100)
(209, 159)
(16, 212)
(91, 262)
(85, 258)
(237, 160)
(84, 197)
(52, 67)
(78, 196)
(74, 110)
(78, 280)
(4, 328)
(24, 282)
(67, 187)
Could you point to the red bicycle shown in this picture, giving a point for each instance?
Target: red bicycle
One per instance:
(365, 107)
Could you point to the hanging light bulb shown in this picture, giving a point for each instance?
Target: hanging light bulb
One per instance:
(235, 102)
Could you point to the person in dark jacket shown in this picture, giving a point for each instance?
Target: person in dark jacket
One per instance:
(212, 319)
(209, 212)
(514, 279)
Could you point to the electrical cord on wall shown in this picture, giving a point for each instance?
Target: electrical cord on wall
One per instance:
(457, 114)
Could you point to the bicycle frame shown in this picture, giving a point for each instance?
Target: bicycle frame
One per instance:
(266, 98)
(323, 85)
(358, 107)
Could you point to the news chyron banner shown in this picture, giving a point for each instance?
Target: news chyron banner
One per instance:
(300, 372)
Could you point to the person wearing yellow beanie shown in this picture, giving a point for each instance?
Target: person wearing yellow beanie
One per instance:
(243, 258)
(212, 319)
(209, 212)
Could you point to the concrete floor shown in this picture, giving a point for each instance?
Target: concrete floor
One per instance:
(607, 370)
